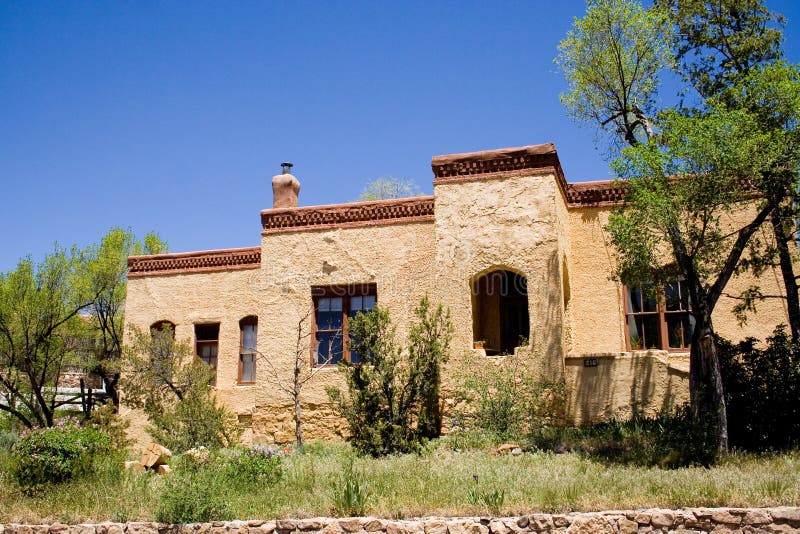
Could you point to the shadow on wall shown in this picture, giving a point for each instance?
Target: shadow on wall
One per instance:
(605, 386)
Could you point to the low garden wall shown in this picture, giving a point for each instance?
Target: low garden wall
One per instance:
(782, 519)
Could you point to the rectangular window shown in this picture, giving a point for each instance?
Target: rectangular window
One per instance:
(333, 308)
(659, 319)
(247, 350)
(207, 344)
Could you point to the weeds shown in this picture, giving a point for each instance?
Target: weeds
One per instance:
(350, 493)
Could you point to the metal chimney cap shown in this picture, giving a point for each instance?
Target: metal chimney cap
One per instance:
(287, 167)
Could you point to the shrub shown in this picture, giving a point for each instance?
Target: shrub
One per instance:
(258, 464)
(393, 389)
(193, 496)
(504, 398)
(107, 420)
(52, 455)
(761, 391)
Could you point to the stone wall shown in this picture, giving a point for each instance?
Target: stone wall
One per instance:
(687, 520)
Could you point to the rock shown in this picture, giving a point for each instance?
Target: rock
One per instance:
(626, 526)
(495, 527)
(435, 527)
(757, 517)
(662, 518)
(58, 528)
(787, 514)
(154, 455)
(541, 522)
(590, 524)
(350, 524)
(81, 529)
(141, 528)
(373, 524)
(475, 528)
(516, 451)
(522, 522)
(560, 520)
(163, 469)
(508, 447)
(642, 518)
(309, 524)
(115, 528)
(724, 516)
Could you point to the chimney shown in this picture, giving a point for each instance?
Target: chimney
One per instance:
(285, 188)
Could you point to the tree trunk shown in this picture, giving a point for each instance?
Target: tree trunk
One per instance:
(298, 427)
(705, 379)
(112, 391)
(782, 238)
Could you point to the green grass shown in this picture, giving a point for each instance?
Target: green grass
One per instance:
(440, 482)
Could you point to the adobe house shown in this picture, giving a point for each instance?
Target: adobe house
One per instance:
(517, 253)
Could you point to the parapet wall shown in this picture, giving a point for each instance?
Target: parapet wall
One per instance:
(783, 519)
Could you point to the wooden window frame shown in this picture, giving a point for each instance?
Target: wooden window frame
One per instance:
(345, 292)
(246, 321)
(661, 313)
(207, 342)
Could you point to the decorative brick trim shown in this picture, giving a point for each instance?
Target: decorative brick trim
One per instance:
(401, 210)
(487, 164)
(189, 262)
(588, 194)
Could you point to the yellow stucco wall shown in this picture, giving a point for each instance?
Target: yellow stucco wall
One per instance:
(518, 222)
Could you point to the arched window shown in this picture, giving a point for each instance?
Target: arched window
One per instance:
(162, 326)
(248, 337)
(500, 311)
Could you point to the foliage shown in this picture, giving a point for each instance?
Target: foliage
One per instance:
(762, 386)
(505, 398)
(39, 306)
(389, 187)
(492, 500)
(56, 454)
(389, 391)
(612, 59)
(107, 276)
(165, 379)
(721, 40)
(349, 492)
(107, 420)
(673, 439)
(193, 496)
(257, 464)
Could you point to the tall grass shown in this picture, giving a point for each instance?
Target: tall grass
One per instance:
(439, 482)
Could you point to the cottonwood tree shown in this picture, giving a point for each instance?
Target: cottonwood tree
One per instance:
(701, 166)
(720, 44)
(107, 276)
(386, 188)
(171, 385)
(612, 59)
(39, 308)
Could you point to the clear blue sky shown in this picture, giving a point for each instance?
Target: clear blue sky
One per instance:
(173, 116)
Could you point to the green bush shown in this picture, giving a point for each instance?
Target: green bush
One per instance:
(762, 388)
(392, 403)
(52, 455)
(258, 464)
(673, 439)
(7, 440)
(504, 398)
(195, 496)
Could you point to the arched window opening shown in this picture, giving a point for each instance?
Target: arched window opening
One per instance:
(500, 311)
(162, 327)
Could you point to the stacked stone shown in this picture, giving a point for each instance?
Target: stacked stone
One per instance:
(684, 521)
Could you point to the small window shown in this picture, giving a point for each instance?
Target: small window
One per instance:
(248, 337)
(333, 308)
(659, 318)
(500, 317)
(207, 344)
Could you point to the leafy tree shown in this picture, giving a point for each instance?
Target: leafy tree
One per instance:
(702, 166)
(386, 188)
(612, 59)
(107, 275)
(39, 307)
(389, 392)
(719, 45)
(171, 385)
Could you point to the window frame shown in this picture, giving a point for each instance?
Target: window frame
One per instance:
(208, 342)
(250, 320)
(661, 314)
(345, 292)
